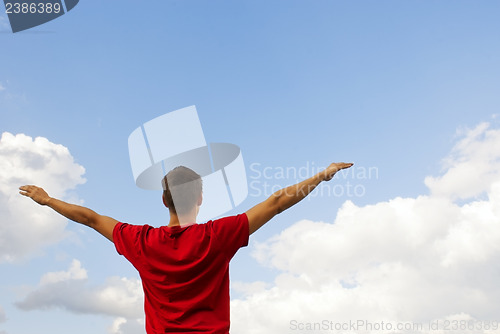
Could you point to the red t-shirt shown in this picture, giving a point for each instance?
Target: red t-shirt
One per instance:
(184, 272)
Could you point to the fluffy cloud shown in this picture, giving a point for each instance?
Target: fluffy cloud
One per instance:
(127, 326)
(416, 260)
(69, 290)
(472, 166)
(23, 160)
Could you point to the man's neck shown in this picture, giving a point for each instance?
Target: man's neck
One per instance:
(184, 220)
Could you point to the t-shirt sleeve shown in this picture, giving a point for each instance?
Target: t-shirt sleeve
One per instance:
(232, 232)
(126, 238)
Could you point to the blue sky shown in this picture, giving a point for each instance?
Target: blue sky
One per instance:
(385, 84)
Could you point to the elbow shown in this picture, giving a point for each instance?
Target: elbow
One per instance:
(279, 209)
(277, 203)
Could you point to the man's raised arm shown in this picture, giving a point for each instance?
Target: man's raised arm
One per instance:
(289, 196)
(79, 214)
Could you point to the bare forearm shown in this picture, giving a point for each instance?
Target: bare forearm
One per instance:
(102, 224)
(73, 212)
(289, 196)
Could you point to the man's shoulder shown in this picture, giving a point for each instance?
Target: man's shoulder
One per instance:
(232, 232)
(235, 218)
(129, 225)
(127, 228)
(230, 224)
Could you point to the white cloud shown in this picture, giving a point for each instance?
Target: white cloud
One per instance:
(127, 326)
(26, 227)
(75, 272)
(247, 289)
(69, 290)
(403, 260)
(2, 87)
(472, 166)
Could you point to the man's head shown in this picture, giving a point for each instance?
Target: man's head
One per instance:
(182, 190)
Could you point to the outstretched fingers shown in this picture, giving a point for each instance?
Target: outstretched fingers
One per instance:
(335, 167)
(344, 165)
(24, 190)
(35, 193)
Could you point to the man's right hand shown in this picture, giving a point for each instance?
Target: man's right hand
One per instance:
(285, 198)
(331, 170)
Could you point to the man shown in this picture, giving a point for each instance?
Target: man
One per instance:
(184, 266)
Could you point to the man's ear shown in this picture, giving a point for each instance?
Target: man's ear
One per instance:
(200, 200)
(164, 201)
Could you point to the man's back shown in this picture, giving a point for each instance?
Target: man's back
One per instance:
(184, 271)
